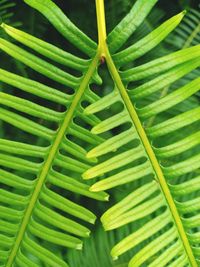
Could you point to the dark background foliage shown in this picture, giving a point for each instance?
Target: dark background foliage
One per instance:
(82, 13)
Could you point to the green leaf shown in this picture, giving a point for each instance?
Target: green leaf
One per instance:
(32, 205)
(161, 65)
(129, 24)
(6, 13)
(163, 236)
(148, 42)
(41, 181)
(61, 22)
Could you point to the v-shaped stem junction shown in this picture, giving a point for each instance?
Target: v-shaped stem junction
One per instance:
(104, 52)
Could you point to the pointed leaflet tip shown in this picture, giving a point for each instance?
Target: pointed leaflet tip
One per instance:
(79, 246)
(91, 155)
(107, 196)
(115, 258)
(94, 188)
(92, 159)
(184, 12)
(88, 234)
(92, 221)
(95, 130)
(99, 186)
(115, 253)
(87, 110)
(85, 176)
(181, 14)
(89, 174)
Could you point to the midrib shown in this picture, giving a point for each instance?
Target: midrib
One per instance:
(191, 37)
(151, 155)
(49, 160)
(100, 9)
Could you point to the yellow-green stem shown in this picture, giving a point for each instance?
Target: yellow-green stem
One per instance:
(49, 160)
(101, 24)
(104, 50)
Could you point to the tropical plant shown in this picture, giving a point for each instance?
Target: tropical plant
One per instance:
(31, 208)
(5, 6)
(188, 32)
(185, 35)
(159, 181)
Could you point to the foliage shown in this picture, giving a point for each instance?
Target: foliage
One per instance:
(5, 6)
(187, 34)
(140, 145)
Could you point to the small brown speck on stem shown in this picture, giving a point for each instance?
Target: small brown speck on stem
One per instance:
(102, 60)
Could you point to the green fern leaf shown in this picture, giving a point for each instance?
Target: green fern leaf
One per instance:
(186, 35)
(34, 216)
(188, 32)
(31, 207)
(169, 233)
(5, 6)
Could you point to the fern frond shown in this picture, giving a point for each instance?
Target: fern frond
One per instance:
(186, 35)
(5, 6)
(188, 32)
(143, 201)
(99, 244)
(31, 207)
(120, 34)
(36, 218)
(147, 43)
(169, 233)
(64, 26)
